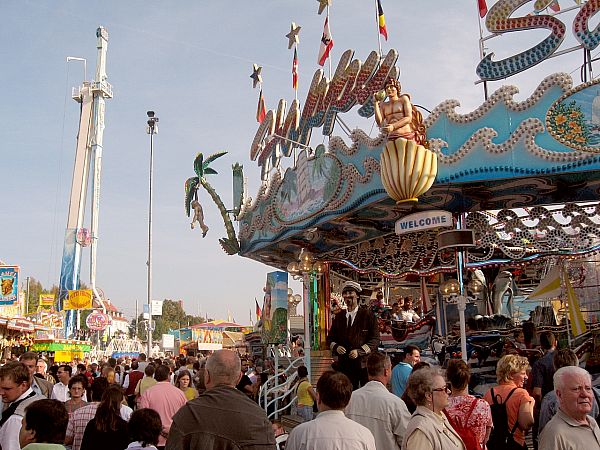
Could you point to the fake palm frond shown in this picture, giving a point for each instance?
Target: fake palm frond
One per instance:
(191, 185)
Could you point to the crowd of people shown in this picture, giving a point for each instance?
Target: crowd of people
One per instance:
(132, 404)
(213, 403)
(441, 414)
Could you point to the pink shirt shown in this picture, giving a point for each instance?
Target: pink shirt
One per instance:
(166, 400)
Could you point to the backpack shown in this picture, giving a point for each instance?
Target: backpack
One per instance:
(501, 438)
(467, 434)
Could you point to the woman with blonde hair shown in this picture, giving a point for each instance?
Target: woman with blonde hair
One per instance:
(511, 374)
(428, 428)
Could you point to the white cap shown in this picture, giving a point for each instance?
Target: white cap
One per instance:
(351, 285)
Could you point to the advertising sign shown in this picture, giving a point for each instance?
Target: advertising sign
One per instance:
(168, 341)
(157, 307)
(20, 325)
(423, 221)
(208, 339)
(274, 317)
(97, 321)
(46, 299)
(79, 299)
(9, 279)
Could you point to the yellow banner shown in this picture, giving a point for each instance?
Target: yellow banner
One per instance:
(575, 316)
(46, 299)
(79, 299)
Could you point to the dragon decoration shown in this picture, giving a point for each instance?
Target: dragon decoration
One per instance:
(202, 168)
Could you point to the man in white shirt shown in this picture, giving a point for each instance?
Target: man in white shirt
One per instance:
(61, 389)
(373, 406)
(331, 430)
(16, 393)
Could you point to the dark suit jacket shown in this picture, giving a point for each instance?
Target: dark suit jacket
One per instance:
(363, 334)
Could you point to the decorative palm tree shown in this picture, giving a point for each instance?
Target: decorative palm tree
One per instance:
(230, 244)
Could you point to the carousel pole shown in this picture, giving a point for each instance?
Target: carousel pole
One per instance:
(562, 294)
(306, 306)
(460, 267)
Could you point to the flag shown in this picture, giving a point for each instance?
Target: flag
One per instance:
(554, 6)
(425, 297)
(261, 111)
(549, 287)
(258, 311)
(482, 8)
(575, 316)
(381, 20)
(295, 70)
(326, 43)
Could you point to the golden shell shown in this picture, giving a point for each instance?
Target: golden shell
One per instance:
(408, 169)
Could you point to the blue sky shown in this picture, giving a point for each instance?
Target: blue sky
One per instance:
(190, 62)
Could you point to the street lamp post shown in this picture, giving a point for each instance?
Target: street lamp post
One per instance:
(151, 129)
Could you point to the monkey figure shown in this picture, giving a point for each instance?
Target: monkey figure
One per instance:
(198, 217)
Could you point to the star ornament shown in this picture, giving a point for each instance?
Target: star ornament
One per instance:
(323, 4)
(292, 36)
(256, 76)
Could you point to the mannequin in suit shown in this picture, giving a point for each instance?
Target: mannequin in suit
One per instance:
(353, 336)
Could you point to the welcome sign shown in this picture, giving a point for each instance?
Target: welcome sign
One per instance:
(424, 221)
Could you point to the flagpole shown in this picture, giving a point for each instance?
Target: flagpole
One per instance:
(562, 284)
(329, 58)
(481, 50)
(377, 27)
(297, 72)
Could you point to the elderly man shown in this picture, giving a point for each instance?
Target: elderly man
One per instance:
(39, 385)
(41, 371)
(571, 428)
(331, 430)
(16, 393)
(373, 406)
(222, 417)
(353, 336)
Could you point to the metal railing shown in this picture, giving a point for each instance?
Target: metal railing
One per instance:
(276, 397)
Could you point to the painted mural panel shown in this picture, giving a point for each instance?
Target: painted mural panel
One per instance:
(274, 330)
(574, 119)
(9, 277)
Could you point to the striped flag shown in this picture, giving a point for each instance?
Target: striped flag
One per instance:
(326, 43)
(482, 8)
(381, 20)
(258, 310)
(261, 111)
(575, 316)
(295, 70)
